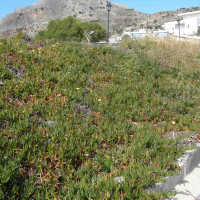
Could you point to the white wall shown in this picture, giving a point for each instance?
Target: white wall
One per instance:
(190, 16)
(188, 26)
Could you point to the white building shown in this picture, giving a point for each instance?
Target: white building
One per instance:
(189, 24)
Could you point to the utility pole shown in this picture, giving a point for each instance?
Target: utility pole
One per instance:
(147, 26)
(108, 6)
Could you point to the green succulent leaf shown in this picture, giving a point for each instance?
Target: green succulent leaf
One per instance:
(106, 165)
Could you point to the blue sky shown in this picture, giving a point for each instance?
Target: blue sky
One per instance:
(146, 6)
(152, 6)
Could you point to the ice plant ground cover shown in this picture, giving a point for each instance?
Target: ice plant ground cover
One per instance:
(75, 117)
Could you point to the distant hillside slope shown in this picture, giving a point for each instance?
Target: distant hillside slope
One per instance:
(122, 5)
(159, 18)
(36, 17)
(30, 19)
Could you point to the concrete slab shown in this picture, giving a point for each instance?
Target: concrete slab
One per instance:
(188, 161)
(190, 183)
(187, 179)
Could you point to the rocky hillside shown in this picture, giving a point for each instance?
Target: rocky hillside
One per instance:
(158, 19)
(30, 19)
(36, 17)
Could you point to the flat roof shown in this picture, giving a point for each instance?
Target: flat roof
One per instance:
(189, 13)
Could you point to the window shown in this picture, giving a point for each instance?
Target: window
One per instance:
(182, 26)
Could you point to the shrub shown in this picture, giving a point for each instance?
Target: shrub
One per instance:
(71, 29)
(99, 31)
(68, 29)
(198, 33)
(158, 27)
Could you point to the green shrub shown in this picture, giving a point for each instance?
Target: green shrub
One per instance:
(72, 29)
(68, 29)
(198, 32)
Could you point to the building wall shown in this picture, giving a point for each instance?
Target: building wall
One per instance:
(188, 26)
(195, 15)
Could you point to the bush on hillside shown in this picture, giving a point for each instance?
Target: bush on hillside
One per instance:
(198, 33)
(68, 29)
(99, 31)
(71, 29)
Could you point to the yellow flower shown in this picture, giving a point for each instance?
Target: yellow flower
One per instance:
(99, 100)
(0, 44)
(77, 88)
(56, 43)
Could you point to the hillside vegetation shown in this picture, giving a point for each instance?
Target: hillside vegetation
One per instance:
(71, 29)
(74, 117)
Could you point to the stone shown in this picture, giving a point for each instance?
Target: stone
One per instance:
(41, 121)
(47, 142)
(80, 108)
(18, 73)
(50, 123)
(119, 179)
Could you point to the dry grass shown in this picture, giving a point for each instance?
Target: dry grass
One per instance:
(167, 51)
(170, 53)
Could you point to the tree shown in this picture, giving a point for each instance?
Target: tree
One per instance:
(72, 29)
(68, 29)
(198, 32)
(158, 27)
(99, 31)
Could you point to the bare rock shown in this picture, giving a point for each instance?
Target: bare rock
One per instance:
(119, 179)
(50, 123)
(18, 73)
(80, 108)
(30, 19)
(1, 82)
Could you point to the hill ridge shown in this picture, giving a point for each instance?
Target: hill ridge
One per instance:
(30, 19)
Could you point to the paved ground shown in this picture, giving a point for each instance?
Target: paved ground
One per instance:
(190, 183)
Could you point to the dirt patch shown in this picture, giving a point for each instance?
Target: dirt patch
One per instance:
(91, 82)
(80, 108)
(190, 139)
(35, 117)
(18, 73)
(3, 124)
(28, 40)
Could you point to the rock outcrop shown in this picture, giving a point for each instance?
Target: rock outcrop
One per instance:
(158, 19)
(30, 19)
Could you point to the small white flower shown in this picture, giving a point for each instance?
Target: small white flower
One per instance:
(20, 51)
(99, 100)
(39, 52)
(77, 89)
(33, 50)
(53, 45)
(173, 122)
